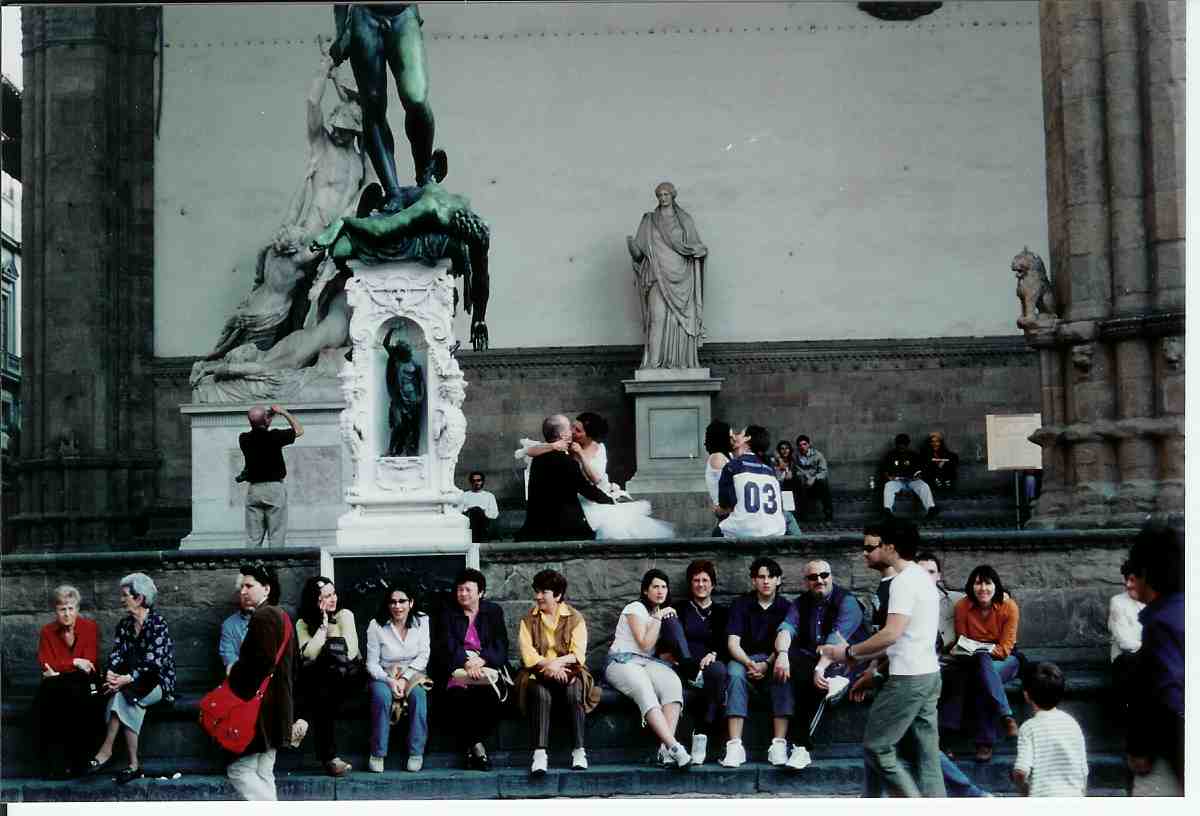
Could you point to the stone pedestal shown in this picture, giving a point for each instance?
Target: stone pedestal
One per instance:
(401, 503)
(672, 408)
(317, 467)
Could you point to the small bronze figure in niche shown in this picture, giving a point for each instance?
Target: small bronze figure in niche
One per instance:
(406, 388)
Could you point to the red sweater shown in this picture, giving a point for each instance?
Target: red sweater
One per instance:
(54, 651)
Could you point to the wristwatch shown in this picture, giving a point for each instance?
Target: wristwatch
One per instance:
(848, 655)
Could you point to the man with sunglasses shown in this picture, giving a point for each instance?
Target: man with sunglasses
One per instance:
(810, 622)
(907, 703)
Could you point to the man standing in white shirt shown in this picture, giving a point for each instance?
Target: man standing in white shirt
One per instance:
(907, 704)
(479, 506)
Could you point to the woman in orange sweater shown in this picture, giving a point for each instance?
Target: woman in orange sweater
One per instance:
(975, 681)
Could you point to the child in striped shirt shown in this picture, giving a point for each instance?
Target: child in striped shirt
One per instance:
(1051, 757)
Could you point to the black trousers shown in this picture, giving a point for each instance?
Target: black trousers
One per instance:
(323, 694)
(820, 489)
(542, 696)
(473, 712)
(69, 722)
(481, 525)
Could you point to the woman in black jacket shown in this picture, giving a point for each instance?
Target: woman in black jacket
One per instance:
(473, 647)
(697, 641)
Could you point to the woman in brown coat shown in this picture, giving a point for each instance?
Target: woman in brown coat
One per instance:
(253, 773)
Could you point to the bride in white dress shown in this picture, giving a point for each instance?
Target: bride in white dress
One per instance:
(626, 518)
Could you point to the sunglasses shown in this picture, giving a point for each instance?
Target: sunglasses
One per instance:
(395, 601)
(812, 576)
(868, 550)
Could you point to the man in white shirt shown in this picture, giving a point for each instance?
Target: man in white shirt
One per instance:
(907, 704)
(479, 506)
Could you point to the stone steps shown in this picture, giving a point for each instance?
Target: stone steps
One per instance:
(836, 777)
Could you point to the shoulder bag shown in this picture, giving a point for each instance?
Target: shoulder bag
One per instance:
(229, 719)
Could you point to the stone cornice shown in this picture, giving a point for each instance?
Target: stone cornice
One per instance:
(1151, 324)
(148, 559)
(168, 369)
(817, 355)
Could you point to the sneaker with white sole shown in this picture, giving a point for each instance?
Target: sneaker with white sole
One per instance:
(540, 763)
(837, 688)
(663, 757)
(415, 763)
(777, 754)
(735, 754)
(579, 760)
(375, 764)
(699, 748)
(799, 759)
(679, 755)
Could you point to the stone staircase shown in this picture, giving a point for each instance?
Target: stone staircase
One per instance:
(619, 749)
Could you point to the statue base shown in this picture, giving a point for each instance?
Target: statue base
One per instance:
(672, 407)
(316, 471)
(401, 504)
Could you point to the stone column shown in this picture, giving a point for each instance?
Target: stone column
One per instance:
(88, 466)
(1113, 88)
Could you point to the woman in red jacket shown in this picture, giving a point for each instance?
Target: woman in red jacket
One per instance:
(983, 660)
(66, 701)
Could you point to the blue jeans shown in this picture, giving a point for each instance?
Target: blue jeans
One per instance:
(381, 725)
(958, 784)
(737, 701)
(977, 683)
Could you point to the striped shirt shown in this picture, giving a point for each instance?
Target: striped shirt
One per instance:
(1051, 753)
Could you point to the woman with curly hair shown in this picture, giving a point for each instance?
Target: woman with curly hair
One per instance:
(985, 622)
(330, 667)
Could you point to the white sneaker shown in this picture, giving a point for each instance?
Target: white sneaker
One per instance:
(799, 759)
(579, 760)
(735, 754)
(777, 753)
(415, 763)
(679, 755)
(540, 762)
(375, 764)
(699, 748)
(837, 688)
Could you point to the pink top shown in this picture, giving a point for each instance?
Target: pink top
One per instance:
(470, 643)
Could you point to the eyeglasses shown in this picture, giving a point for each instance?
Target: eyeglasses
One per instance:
(812, 576)
(395, 601)
(868, 550)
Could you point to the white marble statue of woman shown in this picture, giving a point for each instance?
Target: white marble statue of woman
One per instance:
(668, 268)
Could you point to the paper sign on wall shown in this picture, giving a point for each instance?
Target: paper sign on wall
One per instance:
(1008, 445)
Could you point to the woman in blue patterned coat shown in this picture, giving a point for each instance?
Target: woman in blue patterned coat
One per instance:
(141, 672)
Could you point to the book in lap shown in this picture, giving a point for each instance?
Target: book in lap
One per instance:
(966, 646)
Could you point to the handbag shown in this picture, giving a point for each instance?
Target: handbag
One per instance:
(399, 707)
(229, 719)
(335, 661)
(499, 679)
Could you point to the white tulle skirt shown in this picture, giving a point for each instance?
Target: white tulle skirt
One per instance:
(624, 520)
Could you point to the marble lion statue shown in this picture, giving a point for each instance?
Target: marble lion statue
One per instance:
(1034, 291)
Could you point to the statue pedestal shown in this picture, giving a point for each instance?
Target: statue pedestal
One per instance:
(316, 469)
(401, 504)
(672, 407)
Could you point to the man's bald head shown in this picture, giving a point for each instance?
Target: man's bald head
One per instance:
(556, 427)
(258, 417)
(819, 577)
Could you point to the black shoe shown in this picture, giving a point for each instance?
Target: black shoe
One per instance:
(477, 759)
(933, 512)
(128, 775)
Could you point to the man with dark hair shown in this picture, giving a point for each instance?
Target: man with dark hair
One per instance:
(553, 512)
(907, 704)
(902, 471)
(266, 497)
(253, 773)
(946, 600)
(812, 476)
(1155, 727)
(479, 506)
(749, 499)
(811, 621)
(754, 619)
(1051, 755)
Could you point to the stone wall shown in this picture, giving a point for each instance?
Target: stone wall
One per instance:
(1061, 580)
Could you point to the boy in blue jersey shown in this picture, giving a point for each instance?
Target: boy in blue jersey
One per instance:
(749, 498)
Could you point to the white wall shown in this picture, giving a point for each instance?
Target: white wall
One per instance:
(852, 178)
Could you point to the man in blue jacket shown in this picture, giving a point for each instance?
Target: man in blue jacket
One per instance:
(812, 619)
